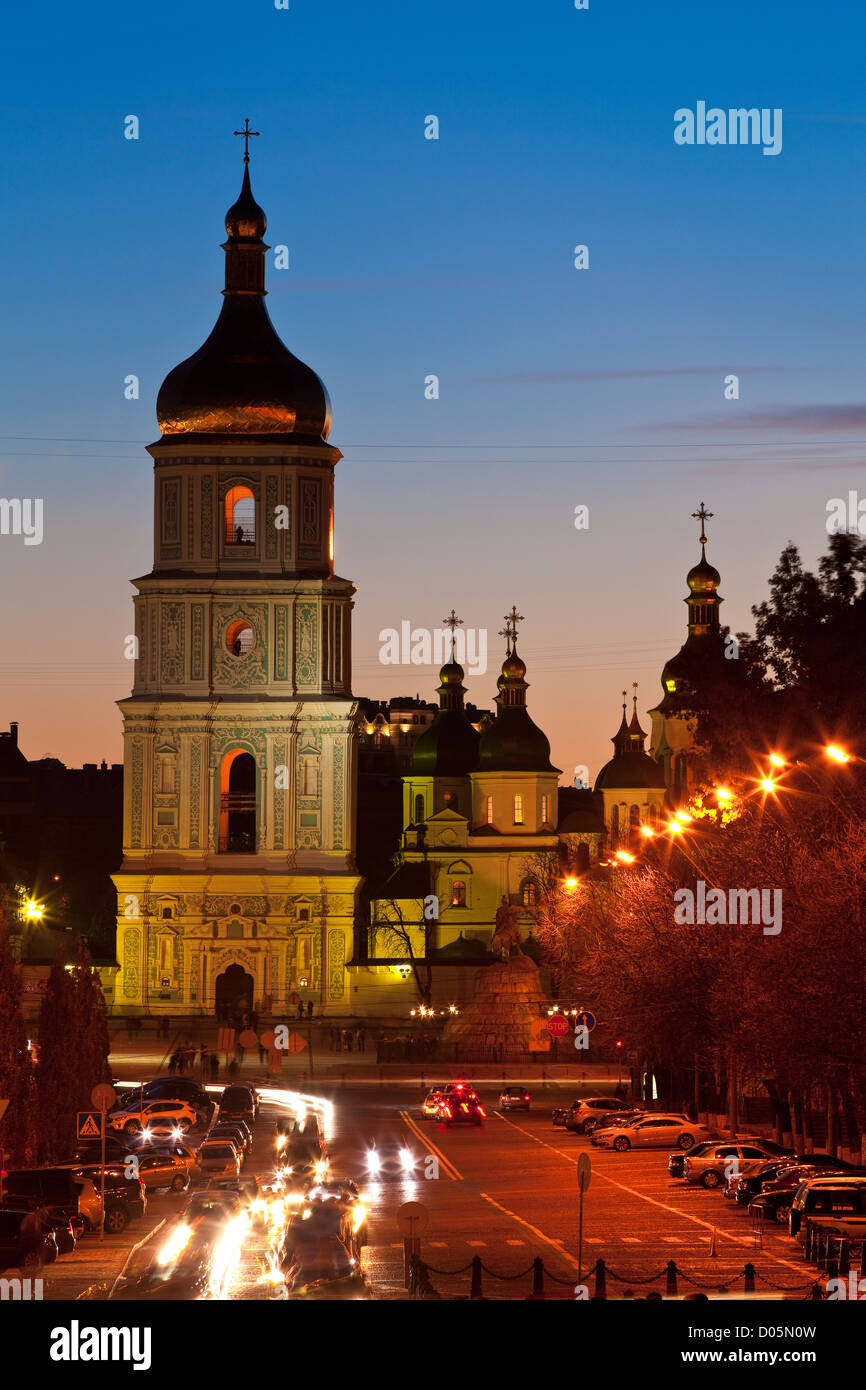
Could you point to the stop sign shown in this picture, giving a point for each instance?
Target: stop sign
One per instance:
(557, 1026)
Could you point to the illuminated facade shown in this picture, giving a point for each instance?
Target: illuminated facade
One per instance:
(238, 881)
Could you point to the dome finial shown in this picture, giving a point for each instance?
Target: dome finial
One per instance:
(703, 516)
(246, 133)
(453, 622)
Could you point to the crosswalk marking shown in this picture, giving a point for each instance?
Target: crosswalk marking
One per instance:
(438, 1244)
(476, 1242)
(515, 1242)
(630, 1240)
(671, 1240)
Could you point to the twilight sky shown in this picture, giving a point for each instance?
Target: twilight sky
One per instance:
(409, 257)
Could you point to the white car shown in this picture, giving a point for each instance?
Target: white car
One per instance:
(155, 1118)
(651, 1132)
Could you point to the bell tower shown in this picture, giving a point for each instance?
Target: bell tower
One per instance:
(239, 734)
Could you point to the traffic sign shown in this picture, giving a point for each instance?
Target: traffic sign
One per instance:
(89, 1124)
(268, 1040)
(103, 1095)
(584, 1172)
(295, 1043)
(585, 1019)
(557, 1026)
(413, 1218)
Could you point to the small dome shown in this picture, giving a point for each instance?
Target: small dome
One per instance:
(451, 674)
(630, 771)
(703, 578)
(245, 219)
(449, 748)
(513, 668)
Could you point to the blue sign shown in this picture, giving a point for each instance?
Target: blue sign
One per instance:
(89, 1124)
(586, 1019)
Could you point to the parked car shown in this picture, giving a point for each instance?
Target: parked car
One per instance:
(170, 1088)
(254, 1095)
(25, 1242)
(837, 1196)
(166, 1170)
(609, 1119)
(677, 1160)
(237, 1103)
(514, 1098)
(54, 1191)
(652, 1131)
(236, 1135)
(711, 1167)
(753, 1179)
(219, 1158)
(588, 1108)
(460, 1108)
(155, 1117)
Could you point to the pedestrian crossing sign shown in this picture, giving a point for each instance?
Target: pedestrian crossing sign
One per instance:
(89, 1124)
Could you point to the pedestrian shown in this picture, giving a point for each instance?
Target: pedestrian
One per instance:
(309, 1008)
(214, 1067)
(300, 1008)
(172, 1064)
(359, 1040)
(254, 1021)
(233, 1070)
(349, 1036)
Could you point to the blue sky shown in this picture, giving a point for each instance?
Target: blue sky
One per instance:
(558, 387)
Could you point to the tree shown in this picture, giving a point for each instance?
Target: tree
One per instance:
(16, 1071)
(58, 1081)
(92, 1041)
(404, 930)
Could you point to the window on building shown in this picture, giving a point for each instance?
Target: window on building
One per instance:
(489, 816)
(419, 809)
(634, 817)
(238, 803)
(528, 893)
(240, 637)
(614, 827)
(240, 516)
(545, 810)
(458, 893)
(518, 809)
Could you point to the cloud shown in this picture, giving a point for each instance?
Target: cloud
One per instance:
(630, 373)
(791, 420)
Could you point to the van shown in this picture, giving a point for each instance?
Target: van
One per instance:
(834, 1197)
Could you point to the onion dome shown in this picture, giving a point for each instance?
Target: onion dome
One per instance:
(703, 647)
(449, 748)
(513, 743)
(630, 767)
(243, 380)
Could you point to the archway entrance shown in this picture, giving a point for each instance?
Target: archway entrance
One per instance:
(233, 990)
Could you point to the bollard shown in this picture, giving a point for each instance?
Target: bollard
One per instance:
(537, 1278)
(844, 1258)
(600, 1272)
(475, 1287)
(749, 1282)
(809, 1242)
(671, 1279)
(816, 1294)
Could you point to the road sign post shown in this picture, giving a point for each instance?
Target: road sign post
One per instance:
(413, 1218)
(104, 1096)
(584, 1173)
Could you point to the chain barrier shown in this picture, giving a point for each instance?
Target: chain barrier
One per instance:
(506, 1277)
(783, 1288)
(621, 1278)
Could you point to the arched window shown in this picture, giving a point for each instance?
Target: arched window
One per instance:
(240, 516)
(614, 827)
(528, 893)
(419, 809)
(458, 893)
(238, 803)
(240, 637)
(634, 819)
(518, 809)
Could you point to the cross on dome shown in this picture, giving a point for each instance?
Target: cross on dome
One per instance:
(246, 133)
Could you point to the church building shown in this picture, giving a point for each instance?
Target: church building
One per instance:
(238, 880)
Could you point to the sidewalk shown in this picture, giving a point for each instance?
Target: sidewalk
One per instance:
(145, 1056)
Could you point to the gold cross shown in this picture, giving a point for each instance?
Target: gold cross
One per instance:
(246, 133)
(453, 622)
(702, 516)
(511, 621)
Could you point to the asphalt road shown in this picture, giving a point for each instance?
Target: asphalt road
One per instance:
(506, 1192)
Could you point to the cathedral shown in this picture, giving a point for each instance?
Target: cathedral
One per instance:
(239, 882)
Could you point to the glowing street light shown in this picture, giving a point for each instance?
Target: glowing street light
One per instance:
(836, 753)
(768, 784)
(675, 827)
(723, 795)
(777, 760)
(624, 858)
(683, 816)
(645, 830)
(571, 883)
(33, 911)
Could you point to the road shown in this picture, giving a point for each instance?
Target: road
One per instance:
(506, 1193)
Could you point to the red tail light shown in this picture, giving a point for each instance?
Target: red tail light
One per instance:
(464, 1107)
(481, 1110)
